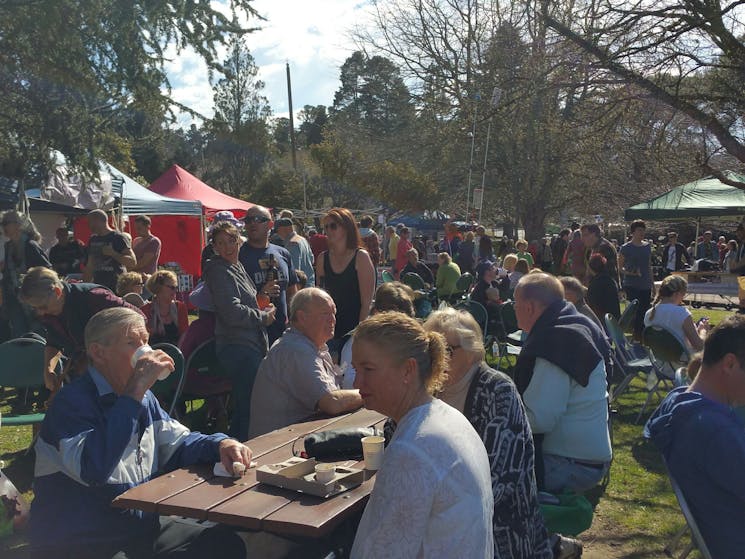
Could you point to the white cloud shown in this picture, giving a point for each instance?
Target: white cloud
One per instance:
(312, 35)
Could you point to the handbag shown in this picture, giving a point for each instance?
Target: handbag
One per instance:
(339, 444)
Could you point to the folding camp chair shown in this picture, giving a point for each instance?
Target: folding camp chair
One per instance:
(206, 378)
(481, 315)
(626, 357)
(626, 320)
(461, 290)
(666, 353)
(506, 345)
(697, 539)
(168, 391)
(414, 281)
(22, 367)
(387, 276)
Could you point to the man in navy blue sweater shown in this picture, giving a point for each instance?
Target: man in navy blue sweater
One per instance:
(106, 433)
(702, 439)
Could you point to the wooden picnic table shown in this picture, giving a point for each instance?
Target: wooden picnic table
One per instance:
(195, 492)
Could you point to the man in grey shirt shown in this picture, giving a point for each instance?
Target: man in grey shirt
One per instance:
(635, 262)
(298, 378)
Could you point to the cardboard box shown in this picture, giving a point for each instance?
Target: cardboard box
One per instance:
(299, 474)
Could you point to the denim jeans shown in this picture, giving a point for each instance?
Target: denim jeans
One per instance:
(562, 474)
(241, 363)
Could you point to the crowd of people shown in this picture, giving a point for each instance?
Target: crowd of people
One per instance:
(303, 326)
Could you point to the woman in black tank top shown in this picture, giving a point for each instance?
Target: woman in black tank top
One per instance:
(346, 272)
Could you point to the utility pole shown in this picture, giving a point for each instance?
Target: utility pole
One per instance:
(292, 119)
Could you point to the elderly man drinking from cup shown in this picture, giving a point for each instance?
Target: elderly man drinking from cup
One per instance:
(104, 434)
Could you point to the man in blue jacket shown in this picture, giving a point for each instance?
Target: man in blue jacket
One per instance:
(106, 433)
(703, 439)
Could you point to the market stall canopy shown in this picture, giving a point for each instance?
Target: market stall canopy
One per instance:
(179, 183)
(75, 191)
(707, 197)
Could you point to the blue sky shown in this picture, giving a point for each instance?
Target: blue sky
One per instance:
(312, 35)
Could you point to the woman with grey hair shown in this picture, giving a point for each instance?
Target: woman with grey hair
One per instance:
(240, 329)
(490, 402)
(22, 251)
(575, 292)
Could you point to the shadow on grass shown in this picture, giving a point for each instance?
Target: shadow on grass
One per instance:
(648, 456)
(19, 468)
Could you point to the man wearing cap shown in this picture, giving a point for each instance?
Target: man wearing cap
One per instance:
(298, 247)
(109, 252)
(258, 257)
(673, 254)
(707, 248)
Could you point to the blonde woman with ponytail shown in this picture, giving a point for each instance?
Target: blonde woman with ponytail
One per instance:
(669, 312)
(433, 494)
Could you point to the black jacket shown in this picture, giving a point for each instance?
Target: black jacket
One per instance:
(680, 254)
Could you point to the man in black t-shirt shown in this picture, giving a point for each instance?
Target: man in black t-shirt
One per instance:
(67, 255)
(109, 252)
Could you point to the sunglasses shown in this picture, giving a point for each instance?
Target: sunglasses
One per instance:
(256, 219)
(333, 226)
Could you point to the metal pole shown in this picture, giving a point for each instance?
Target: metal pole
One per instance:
(483, 173)
(470, 163)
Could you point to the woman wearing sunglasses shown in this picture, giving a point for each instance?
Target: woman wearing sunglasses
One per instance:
(346, 272)
(240, 328)
(167, 319)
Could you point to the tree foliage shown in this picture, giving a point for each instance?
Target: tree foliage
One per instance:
(688, 55)
(241, 145)
(73, 72)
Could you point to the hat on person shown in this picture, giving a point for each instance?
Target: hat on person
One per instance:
(484, 267)
(283, 222)
(226, 215)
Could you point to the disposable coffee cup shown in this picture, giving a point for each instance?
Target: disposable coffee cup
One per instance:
(372, 450)
(325, 472)
(142, 350)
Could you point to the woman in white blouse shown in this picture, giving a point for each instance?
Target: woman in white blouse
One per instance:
(433, 494)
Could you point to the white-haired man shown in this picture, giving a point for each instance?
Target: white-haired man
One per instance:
(560, 374)
(106, 433)
(298, 378)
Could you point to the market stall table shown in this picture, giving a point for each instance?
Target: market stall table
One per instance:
(195, 492)
(723, 286)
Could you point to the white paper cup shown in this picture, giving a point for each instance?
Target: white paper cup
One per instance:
(325, 472)
(142, 350)
(372, 449)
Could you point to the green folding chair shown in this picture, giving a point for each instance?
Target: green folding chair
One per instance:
(626, 320)
(414, 281)
(22, 367)
(387, 276)
(666, 354)
(168, 391)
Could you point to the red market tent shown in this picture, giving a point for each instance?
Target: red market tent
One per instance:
(179, 183)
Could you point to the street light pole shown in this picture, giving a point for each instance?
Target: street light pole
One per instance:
(495, 97)
(477, 98)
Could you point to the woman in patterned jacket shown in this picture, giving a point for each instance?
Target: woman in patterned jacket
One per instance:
(490, 402)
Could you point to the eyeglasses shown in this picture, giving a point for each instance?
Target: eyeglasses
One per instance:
(332, 226)
(256, 219)
(451, 349)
